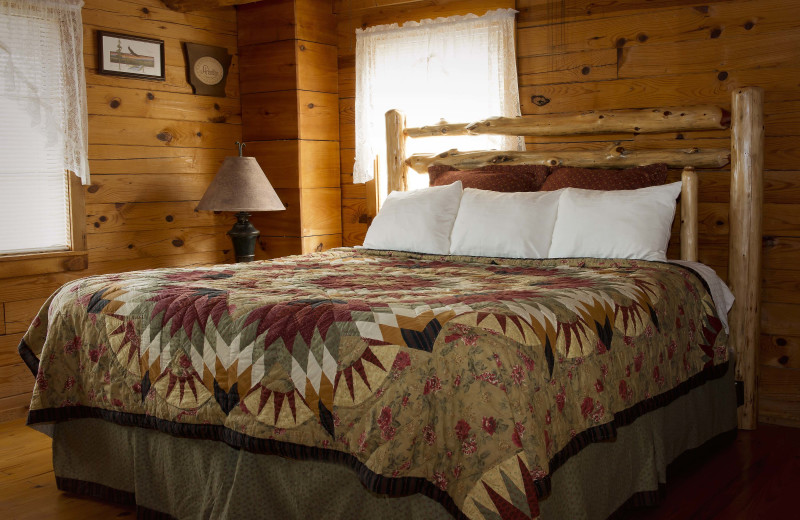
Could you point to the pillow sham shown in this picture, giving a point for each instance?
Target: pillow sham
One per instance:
(419, 221)
(508, 225)
(615, 224)
(599, 179)
(495, 177)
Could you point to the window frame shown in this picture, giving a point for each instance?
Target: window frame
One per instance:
(75, 259)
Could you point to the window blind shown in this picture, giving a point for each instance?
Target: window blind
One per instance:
(34, 190)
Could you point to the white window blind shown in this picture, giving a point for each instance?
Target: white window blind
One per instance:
(461, 69)
(37, 92)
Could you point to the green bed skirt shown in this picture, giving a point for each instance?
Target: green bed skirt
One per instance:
(199, 479)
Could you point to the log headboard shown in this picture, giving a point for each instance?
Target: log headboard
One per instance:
(746, 156)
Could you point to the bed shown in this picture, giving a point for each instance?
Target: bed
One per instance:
(362, 383)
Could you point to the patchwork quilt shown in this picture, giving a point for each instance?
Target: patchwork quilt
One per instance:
(467, 379)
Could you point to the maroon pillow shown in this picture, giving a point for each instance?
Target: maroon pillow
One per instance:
(597, 179)
(496, 177)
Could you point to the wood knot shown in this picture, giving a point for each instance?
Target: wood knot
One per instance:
(151, 96)
(319, 248)
(115, 103)
(311, 105)
(364, 219)
(783, 360)
(102, 218)
(620, 149)
(218, 119)
(701, 9)
(722, 76)
(97, 224)
(642, 37)
(781, 342)
(586, 70)
(145, 10)
(169, 218)
(177, 242)
(164, 136)
(748, 26)
(667, 113)
(199, 134)
(539, 100)
(302, 47)
(216, 106)
(716, 32)
(679, 137)
(130, 246)
(93, 188)
(621, 43)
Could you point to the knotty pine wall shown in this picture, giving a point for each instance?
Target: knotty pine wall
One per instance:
(153, 148)
(582, 55)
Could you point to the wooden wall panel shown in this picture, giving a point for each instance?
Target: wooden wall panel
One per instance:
(154, 148)
(291, 119)
(578, 55)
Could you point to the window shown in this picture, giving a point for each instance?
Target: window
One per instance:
(43, 129)
(461, 69)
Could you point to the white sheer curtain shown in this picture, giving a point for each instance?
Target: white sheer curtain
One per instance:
(41, 69)
(461, 69)
(43, 128)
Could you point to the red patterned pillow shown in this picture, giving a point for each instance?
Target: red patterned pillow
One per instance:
(496, 177)
(607, 180)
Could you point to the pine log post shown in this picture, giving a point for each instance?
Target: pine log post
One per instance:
(372, 188)
(396, 151)
(689, 214)
(616, 157)
(744, 268)
(641, 120)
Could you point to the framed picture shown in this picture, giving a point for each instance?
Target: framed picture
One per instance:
(130, 56)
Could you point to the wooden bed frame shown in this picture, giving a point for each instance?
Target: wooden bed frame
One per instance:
(746, 155)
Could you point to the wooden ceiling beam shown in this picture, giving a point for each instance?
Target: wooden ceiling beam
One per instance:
(184, 6)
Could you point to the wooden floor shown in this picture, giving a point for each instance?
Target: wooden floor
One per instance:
(755, 476)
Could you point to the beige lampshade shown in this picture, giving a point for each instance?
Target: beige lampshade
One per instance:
(240, 185)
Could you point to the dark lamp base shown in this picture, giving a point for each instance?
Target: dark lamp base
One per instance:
(244, 235)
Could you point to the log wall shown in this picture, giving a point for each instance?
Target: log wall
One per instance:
(153, 149)
(576, 55)
(290, 120)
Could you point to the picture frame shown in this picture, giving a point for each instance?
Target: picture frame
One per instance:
(130, 56)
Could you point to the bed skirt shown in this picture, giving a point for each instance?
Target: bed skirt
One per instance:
(167, 476)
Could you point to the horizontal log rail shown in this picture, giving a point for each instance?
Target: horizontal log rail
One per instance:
(643, 120)
(617, 157)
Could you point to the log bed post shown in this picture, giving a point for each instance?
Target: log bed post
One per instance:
(689, 230)
(744, 268)
(396, 151)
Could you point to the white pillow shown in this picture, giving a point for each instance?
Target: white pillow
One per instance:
(508, 225)
(418, 221)
(615, 224)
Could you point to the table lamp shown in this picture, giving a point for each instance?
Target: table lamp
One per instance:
(241, 186)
